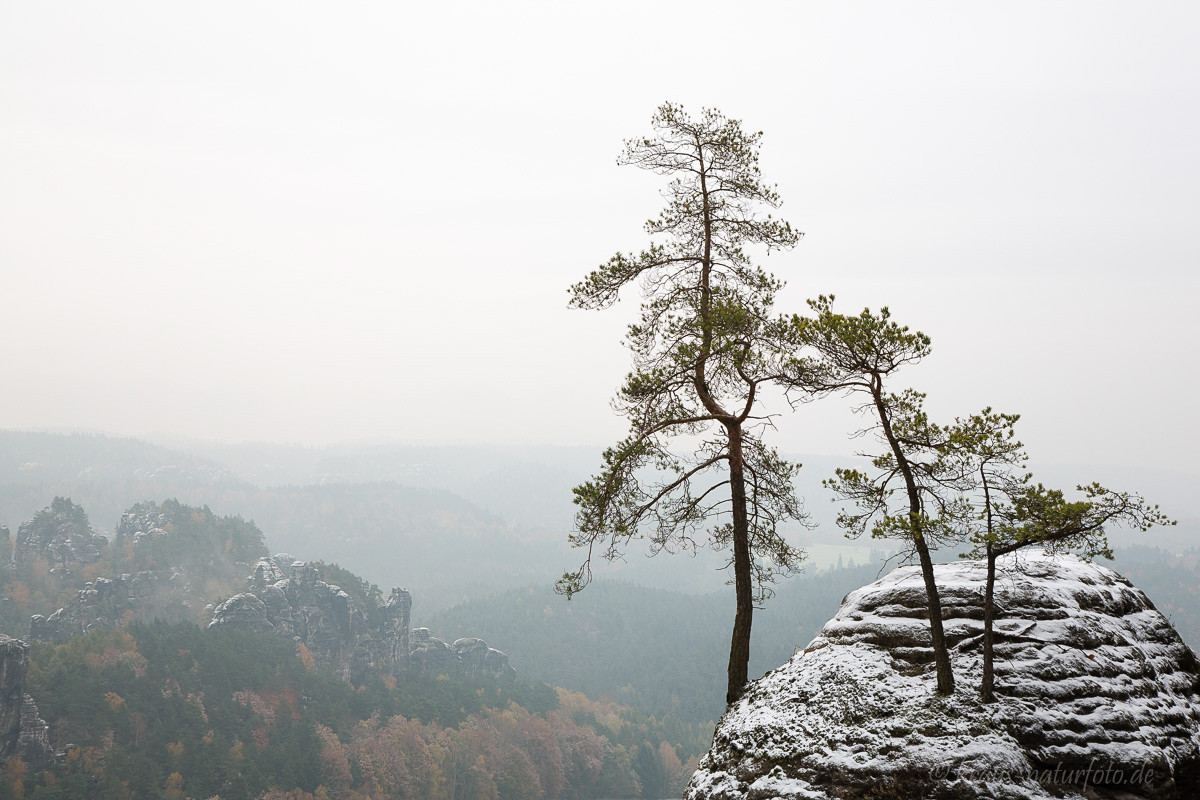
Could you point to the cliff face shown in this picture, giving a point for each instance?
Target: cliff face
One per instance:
(322, 617)
(339, 635)
(14, 666)
(164, 553)
(468, 655)
(23, 732)
(1097, 697)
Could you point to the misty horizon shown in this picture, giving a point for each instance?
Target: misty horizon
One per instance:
(365, 231)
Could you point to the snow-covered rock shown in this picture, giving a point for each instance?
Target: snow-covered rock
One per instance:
(1097, 697)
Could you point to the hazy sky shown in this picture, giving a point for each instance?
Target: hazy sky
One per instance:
(315, 222)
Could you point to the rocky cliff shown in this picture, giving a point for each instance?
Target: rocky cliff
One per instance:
(288, 597)
(60, 537)
(320, 616)
(1097, 697)
(23, 733)
(107, 603)
(167, 554)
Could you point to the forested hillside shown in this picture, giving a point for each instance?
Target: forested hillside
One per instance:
(1172, 582)
(174, 710)
(664, 651)
(168, 709)
(661, 651)
(175, 559)
(140, 706)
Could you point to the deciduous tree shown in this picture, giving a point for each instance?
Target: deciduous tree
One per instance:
(694, 469)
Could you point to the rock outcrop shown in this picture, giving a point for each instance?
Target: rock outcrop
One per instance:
(1097, 697)
(23, 732)
(314, 613)
(323, 618)
(106, 603)
(342, 638)
(14, 665)
(141, 523)
(432, 655)
(61, 537)
(467, 656)
(477, 658)
(168, 553)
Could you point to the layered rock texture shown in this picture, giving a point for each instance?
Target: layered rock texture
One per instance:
(23, 733)
(322, 618)
(343, 638)
(1097, 697)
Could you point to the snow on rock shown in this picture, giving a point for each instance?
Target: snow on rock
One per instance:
(1097, 697)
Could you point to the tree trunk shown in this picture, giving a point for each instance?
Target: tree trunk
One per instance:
(941, 654)
(989, 612)
(739, 645)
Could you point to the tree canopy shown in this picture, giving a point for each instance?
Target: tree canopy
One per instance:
(694, 469)
(1012, 512)
(914, 491)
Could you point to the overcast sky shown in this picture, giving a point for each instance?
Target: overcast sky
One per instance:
(318, 222)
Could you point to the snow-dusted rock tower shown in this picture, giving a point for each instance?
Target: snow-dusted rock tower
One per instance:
(1097, 697)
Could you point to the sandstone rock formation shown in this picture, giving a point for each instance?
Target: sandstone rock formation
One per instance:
(167, 553)
(1098, 697)
(268, 571)
(61, 537)
(465, 656)
(105, 603)
(317, 614)
(340, 636)
(140, 524)
(476, 657)
(432, 655)
(14, 665)
(23, 732)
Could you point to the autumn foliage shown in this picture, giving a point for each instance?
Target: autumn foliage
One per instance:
(177, 711)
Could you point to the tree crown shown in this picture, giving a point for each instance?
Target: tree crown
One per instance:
(704, 344)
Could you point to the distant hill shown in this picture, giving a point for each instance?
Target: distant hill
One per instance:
(430, 540)
(1172, 582)
(529, 486)
(662, 651)
(665, 652)
(104, 474)
(438, 545)
(32, 457)
(141, 701)
(451, 523)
